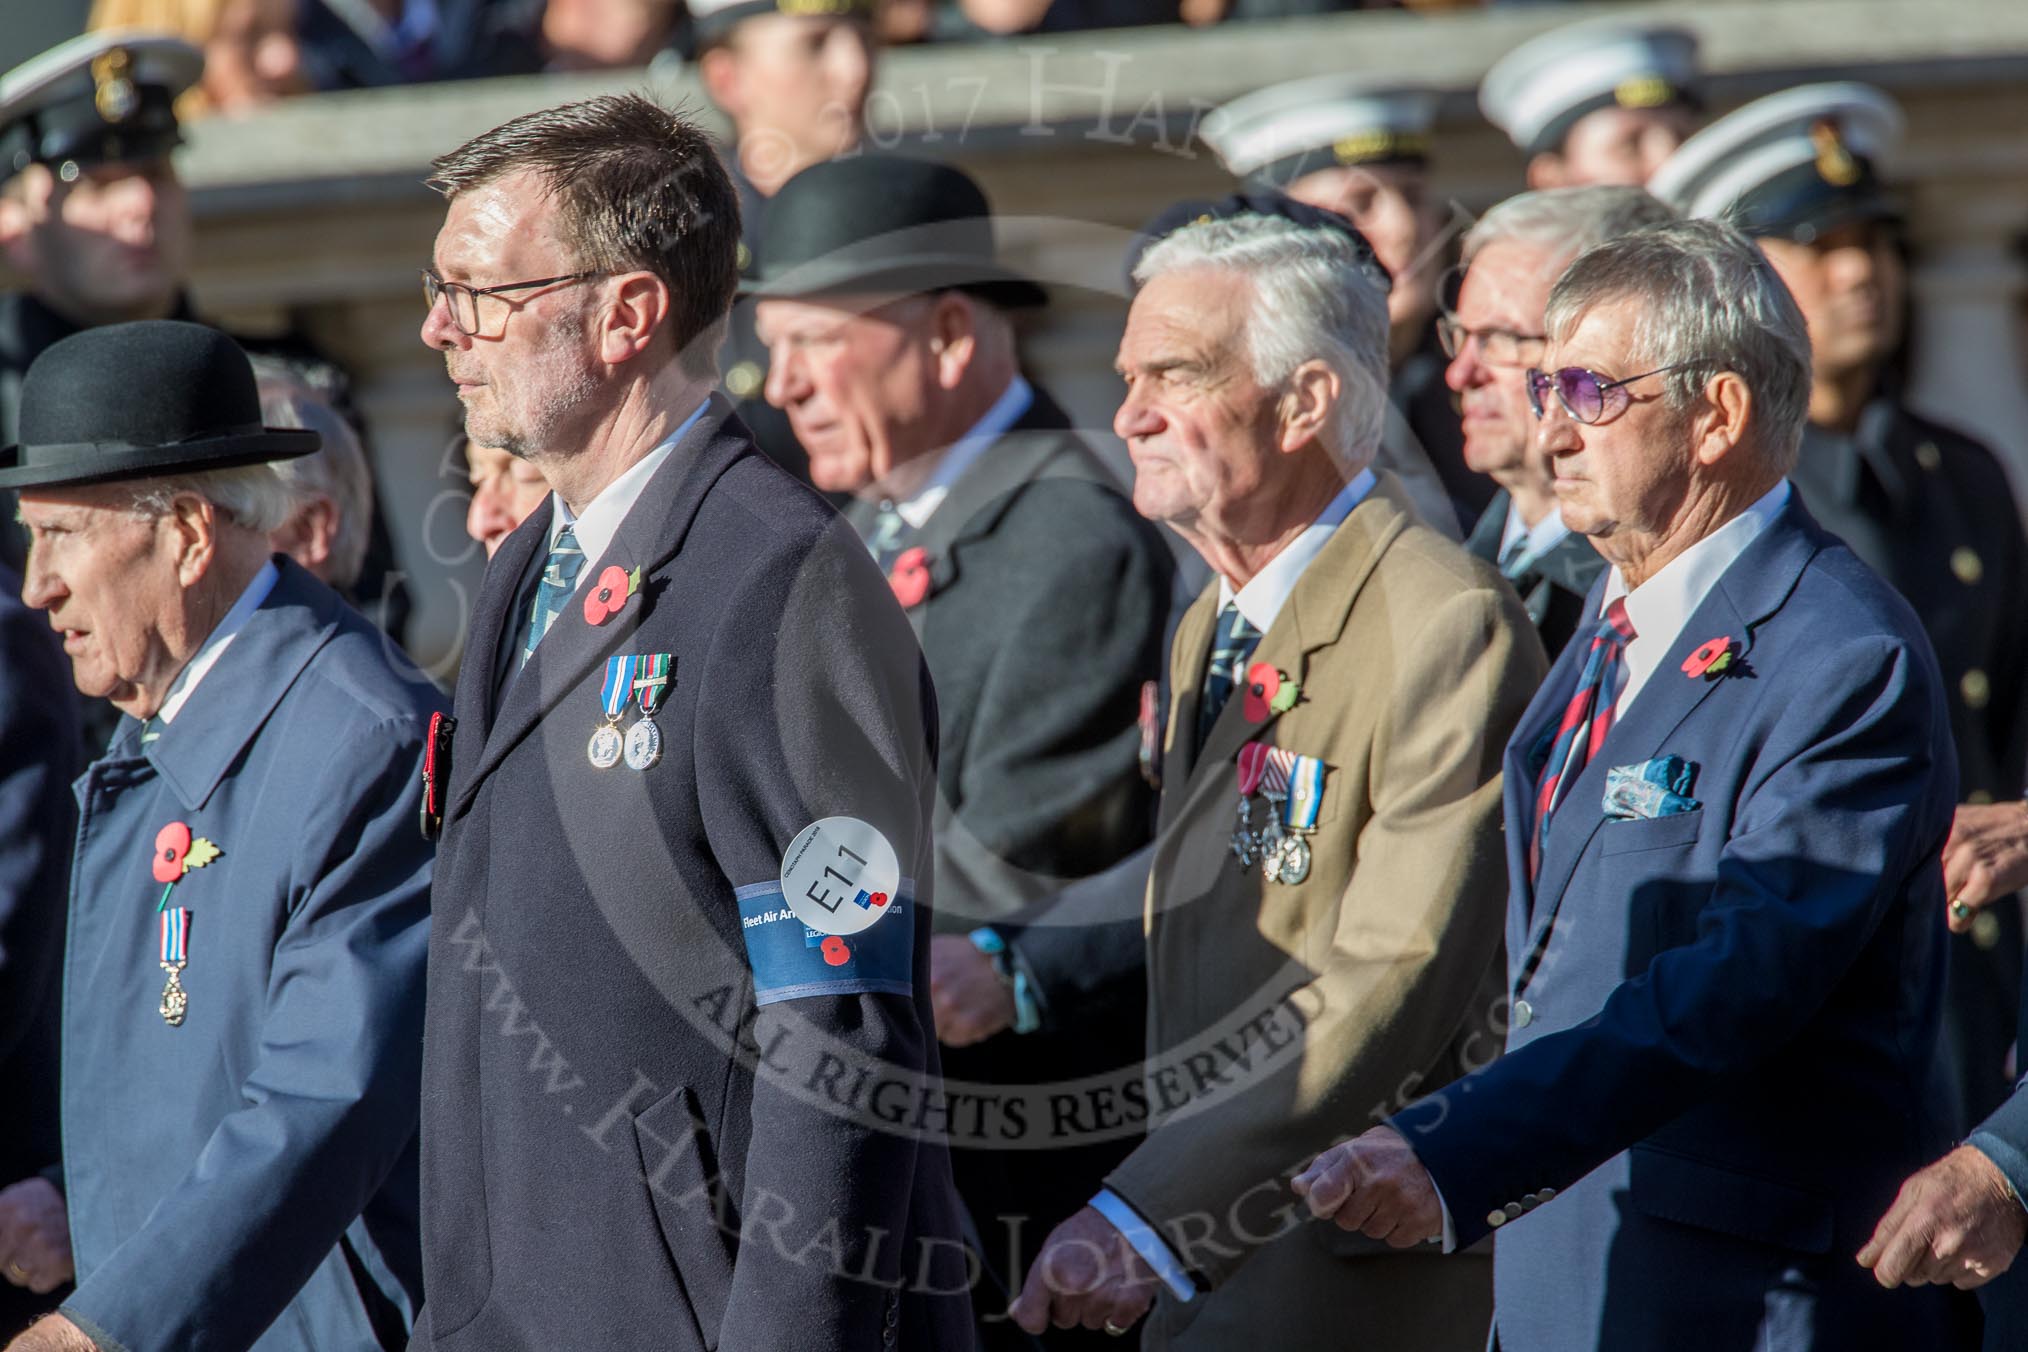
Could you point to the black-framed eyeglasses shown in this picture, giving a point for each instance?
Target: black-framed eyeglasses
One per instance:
(1497, 347)
(463, 301)
(1585, 396)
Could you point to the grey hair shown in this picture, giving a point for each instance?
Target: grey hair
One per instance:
(1316, 297)
(1709, 299)
(338, 471)
(1567, 220)
(252, 496)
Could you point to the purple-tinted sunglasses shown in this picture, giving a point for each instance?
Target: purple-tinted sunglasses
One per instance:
(1583, 395)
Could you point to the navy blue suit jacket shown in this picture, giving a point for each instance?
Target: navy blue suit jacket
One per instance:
(248, 1179)
(635, 1134)
(1720, 1078)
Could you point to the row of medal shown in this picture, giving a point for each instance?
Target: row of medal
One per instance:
(643, 676)
(1293, 786)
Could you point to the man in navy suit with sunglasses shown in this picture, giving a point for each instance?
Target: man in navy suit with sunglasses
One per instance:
(1724, 810)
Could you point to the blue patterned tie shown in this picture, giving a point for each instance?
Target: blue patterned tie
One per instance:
(559, 580)
(1230, 648)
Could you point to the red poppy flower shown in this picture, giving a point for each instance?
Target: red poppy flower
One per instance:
(836, 951)
(1263, 683)
(1712, 655)
(607, 596)
(910, 577)
(878, 899)
(172, 843)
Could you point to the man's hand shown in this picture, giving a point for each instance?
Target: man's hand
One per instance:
(53, 1333)
(970, 1001)
(1374, 1184)
(34, 1236)
(1955, 1222)
(1986, 858)
(1087, 1274)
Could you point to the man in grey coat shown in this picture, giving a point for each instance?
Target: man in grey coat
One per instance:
(1038, 594)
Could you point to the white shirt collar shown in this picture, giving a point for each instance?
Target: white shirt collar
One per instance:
(218, 641)
(1264, 595)
(958, 457)
(1541, 537)
(1660, 607)
(595, 527)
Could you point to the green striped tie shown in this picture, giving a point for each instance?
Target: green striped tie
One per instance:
(559, 580)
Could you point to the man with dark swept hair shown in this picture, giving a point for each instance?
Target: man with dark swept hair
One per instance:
(636, 186)
(679, 1063)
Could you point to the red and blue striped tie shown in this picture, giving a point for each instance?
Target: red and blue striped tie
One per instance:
(1586, 720)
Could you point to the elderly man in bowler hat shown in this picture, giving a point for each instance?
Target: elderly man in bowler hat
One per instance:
(1038, 595)
(249, 913)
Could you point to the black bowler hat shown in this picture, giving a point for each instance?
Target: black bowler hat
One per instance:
(1256, 202)
(138, 401)
(883, 224)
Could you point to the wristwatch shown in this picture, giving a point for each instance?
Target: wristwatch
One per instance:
(1027, 1013)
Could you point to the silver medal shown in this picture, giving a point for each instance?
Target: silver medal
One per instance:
(1295, 860)
(605, 747)
(1272, 840)
(644, 744)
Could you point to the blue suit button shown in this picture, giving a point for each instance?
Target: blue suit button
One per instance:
(1496, 1219)
(1547, 1194)
(1524, 1014)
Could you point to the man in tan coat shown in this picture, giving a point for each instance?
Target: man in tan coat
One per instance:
(1323, 903)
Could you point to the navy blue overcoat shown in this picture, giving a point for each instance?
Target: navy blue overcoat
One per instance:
(247, 1179)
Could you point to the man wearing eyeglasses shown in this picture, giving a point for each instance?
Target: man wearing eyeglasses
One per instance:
(1724, 812)
(1511, 259)
(679, 1019)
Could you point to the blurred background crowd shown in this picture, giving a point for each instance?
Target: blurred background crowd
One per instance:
(260, 50)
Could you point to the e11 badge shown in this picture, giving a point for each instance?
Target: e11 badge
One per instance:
(839, 875)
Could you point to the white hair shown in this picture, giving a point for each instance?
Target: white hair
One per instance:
(1316, 297)
(252, 496)
(1708, 300)
(1566, 220)
(337, 471)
